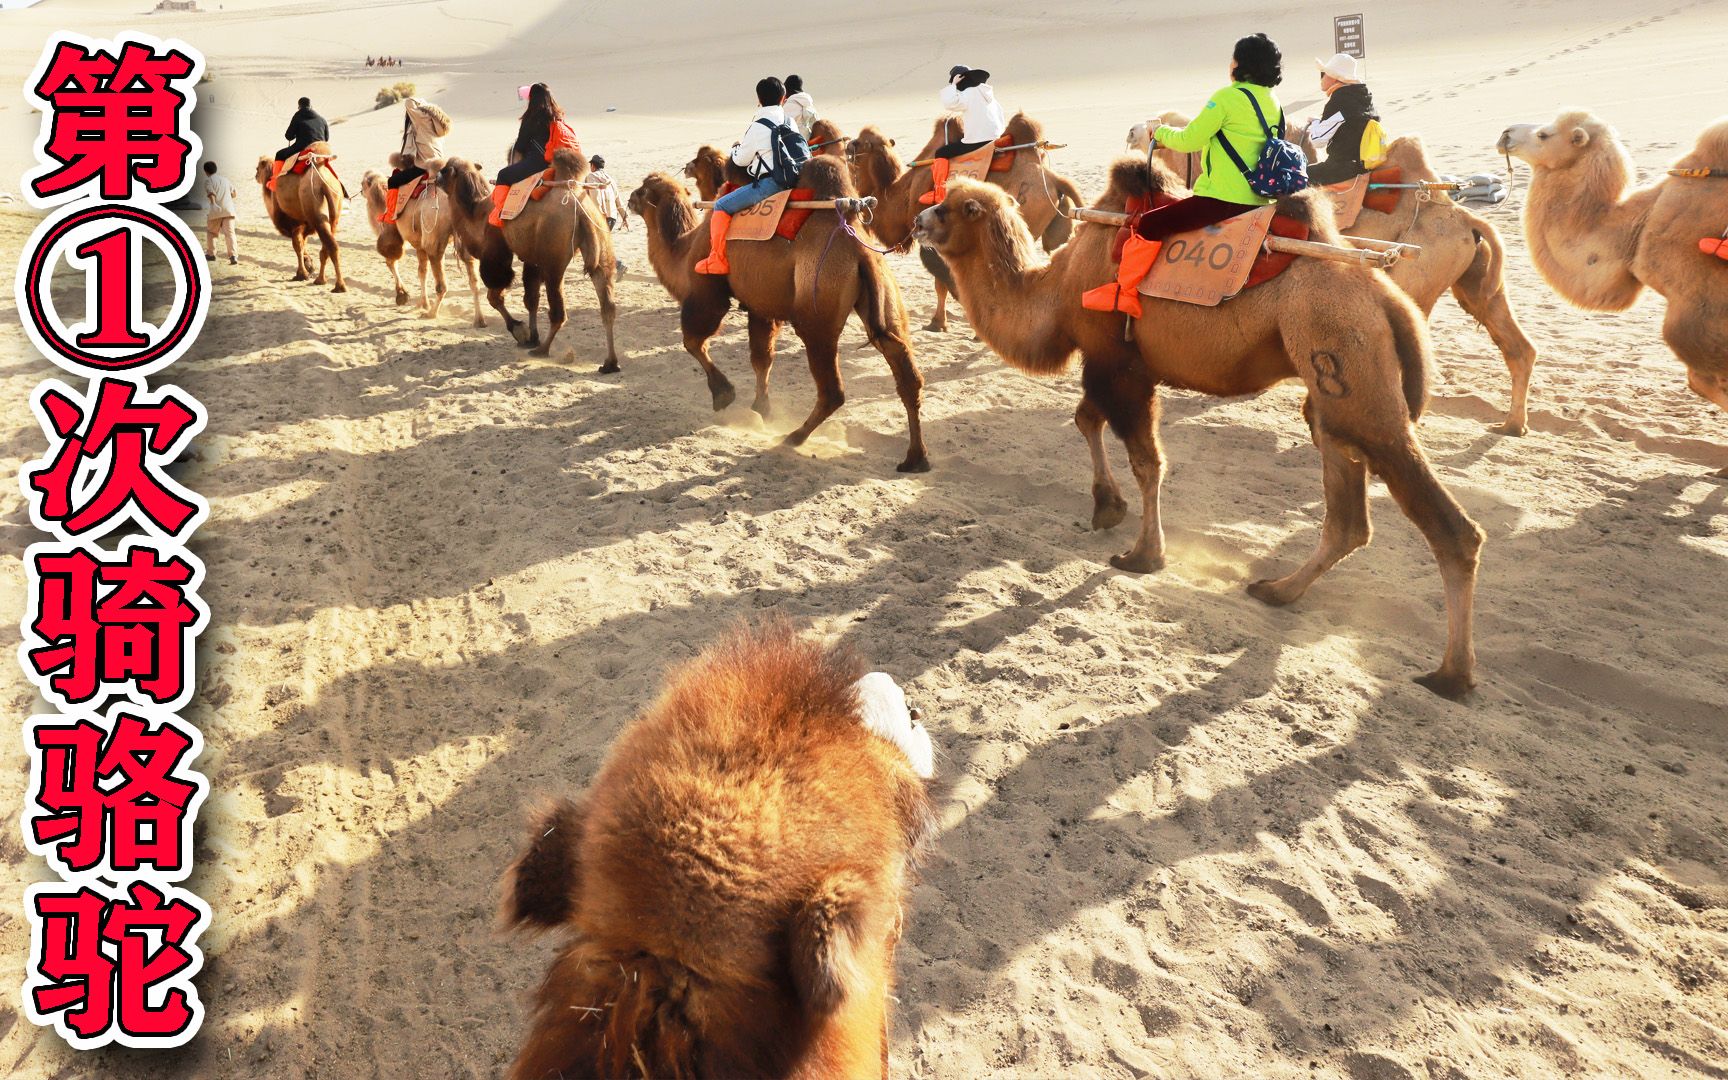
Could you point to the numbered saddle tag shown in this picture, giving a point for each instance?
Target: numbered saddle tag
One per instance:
(973, 166)
(759, 222)
(1210, 265)
(1347, 199)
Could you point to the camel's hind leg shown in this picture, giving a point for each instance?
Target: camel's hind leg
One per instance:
(1344, 529)
(700, 319)
(822, 346)
(1456, 542)
(423, 261)
(554, 310)
(330, 251)
(1108, 506)
(601, 265)
(1496, 317)
(909, 384)
(763, 331)
(531, 300)
(440, 287)
(939, 318)
(1701, 347)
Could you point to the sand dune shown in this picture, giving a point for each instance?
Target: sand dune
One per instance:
(1187, 835)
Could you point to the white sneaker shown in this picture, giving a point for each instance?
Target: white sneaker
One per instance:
(884, 712)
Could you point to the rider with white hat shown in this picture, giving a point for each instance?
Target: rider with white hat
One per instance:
(1338, 131)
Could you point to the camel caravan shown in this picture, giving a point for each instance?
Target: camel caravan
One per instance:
(1327, 284)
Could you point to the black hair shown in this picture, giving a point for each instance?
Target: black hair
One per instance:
(794, 84)
(542, 103)
(305, 103)
(770, 92)
(597, 162)
(209, 168)
(1258, 61)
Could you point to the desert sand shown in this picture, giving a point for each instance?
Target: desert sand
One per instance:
(1184, 835)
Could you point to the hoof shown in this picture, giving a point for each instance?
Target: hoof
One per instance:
(401, 297)
(761, 407)
(724, 397)
(935, 327)
(610, 367)
(1509, 428)
(917, 464)
(795, 439)
(519, 332)
(1721, 474)
(1108, 515)
(339, 288)
(1144, 564)
(527, 342)
(479, 323)
(1450, 687)
(1266, 591)
(424, 314)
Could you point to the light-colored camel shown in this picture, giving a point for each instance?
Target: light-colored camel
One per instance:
(733, 882)
(302, 203)
(1599, 245)
(1461, 254)
(814, 282)
(1357, 343)
(429, 224)
(1039, 191)
(546, 235)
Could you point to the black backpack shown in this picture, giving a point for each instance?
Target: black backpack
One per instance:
(791, 153)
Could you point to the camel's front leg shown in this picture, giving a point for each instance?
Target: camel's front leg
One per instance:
(554, 311)
(531, 300)
(700, 319)
(1108, 506)
(421, 267)
(1138, 428)
(436, 258)
(939, 318)
(473, 284)
(301, 259)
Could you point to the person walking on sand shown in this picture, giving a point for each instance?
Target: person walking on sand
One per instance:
(305, 127)
(220, 209)
(969, 92)
(800, 106)
(543, 131)
(771, 153)
(1349, 127)
(606, 196)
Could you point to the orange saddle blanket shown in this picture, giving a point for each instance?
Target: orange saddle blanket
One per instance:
(1208, 266)
(1352, 196)
(772, 217)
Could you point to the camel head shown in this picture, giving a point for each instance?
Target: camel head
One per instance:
(1140, 135)
(827, 141)
(707, 170)
(1573, 137)
(875, 166)
(656, 191)
(978, 220)
(262, 173)
(733, 880)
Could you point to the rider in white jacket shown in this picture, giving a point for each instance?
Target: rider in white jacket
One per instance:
(970, 93)
(800, 106)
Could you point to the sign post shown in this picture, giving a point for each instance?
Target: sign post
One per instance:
(1347, 36)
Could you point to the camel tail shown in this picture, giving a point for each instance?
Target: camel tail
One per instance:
(1410, 339)
(1492, 278)
(879, 301)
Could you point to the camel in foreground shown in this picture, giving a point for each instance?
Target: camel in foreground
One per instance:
(1357, 343)
(733, 881)
(876, 170)
(1600, 245)
(427, 223)
(545, 236)
(302, 203)
(813, 282)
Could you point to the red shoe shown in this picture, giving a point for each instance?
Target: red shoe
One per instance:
(716, 262)
(389, 214)
(939, 176)
(500, 192)
(1123, 294)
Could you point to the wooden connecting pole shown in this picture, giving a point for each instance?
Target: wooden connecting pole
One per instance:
(865, 205)
(1376, 253)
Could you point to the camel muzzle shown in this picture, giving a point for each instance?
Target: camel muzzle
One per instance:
(921, 225)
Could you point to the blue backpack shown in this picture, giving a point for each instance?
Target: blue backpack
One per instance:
(1282, 168)
(791, 153)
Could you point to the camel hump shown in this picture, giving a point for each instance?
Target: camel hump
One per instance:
(1711, 151)
(321, 149)
(827, 178)
(1131, 178)
(1406, 152)
(1024, 129)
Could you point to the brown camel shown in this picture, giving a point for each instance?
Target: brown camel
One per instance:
(545, 236)
(813, 282)
(1461, 253)
(827, 140)
(707, 170)
(876, 170)
(1600, 245)
(429, 225)
(303, 203)
(1357, 343)
(733, 882)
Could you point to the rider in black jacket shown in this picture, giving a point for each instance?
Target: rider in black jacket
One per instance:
(1349, 107)
(305, 128)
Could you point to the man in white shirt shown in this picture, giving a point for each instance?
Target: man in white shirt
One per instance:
(968, 92)
(800, 106)
(220, 209)
(754, 153)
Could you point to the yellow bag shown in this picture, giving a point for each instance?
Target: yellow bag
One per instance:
(1373, 151)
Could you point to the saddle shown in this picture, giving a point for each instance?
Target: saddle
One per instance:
(326, 171)
(522, 192)
(413, 189)
(976, 165)
(1208, 266)
(1351, 197)
(772, 217)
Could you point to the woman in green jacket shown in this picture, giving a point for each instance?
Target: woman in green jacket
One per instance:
(1222, 190)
